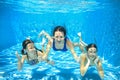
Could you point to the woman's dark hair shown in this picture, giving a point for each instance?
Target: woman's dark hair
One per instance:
(24, 45)
(59, 28)
(91, 45)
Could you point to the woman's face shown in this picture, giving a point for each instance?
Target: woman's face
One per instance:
(92, 52)
(30, 47)
(59, 36)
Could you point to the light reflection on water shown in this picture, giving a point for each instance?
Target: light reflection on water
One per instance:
(64, 68)
(89, 24)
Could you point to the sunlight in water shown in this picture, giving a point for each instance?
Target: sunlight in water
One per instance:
(54, 72)
(97, 22)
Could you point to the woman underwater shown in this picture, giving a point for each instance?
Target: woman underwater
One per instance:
(59, 41)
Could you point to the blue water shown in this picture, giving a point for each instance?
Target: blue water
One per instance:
(99, 22)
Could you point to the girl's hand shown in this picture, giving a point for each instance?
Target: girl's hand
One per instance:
(18, 56)
(44, 57)
(50, 62)
(96, 60)
(41, 33)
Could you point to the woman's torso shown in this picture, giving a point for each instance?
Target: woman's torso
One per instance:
(60, 46)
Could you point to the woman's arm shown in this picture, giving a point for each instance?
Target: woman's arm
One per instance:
(83, 67)
(20, 60)
(70, 46)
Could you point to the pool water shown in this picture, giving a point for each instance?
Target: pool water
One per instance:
(97, 20)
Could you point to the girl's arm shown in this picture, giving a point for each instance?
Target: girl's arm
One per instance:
(100, 69)
(40, 58)
(46, 35)
(20, 60)
(50, 62)
(48, 47)
(83, 67)
(44, 54)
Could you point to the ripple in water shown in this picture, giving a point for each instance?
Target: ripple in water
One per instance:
(65, 68)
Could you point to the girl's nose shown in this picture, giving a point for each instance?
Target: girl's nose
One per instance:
(58, 39)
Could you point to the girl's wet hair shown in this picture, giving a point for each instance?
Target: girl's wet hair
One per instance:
(24, 45)
(91, 45)
(59, 28)
(26, 42)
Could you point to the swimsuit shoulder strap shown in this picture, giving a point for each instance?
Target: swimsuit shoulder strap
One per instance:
(27, 56)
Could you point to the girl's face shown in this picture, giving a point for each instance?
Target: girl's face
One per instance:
(30, 47)
(59, 36)
(92, 52)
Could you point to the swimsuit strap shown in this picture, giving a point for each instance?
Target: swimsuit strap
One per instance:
(64, 47)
